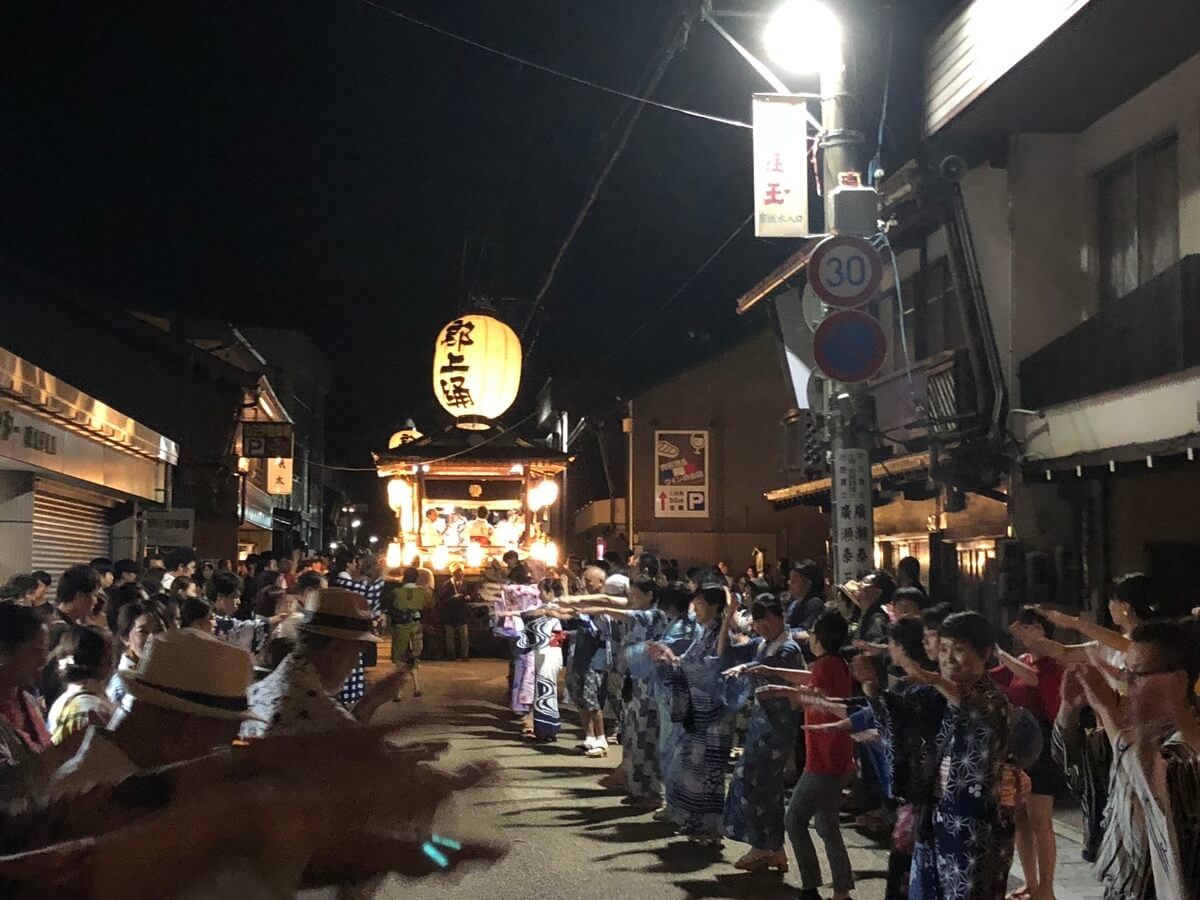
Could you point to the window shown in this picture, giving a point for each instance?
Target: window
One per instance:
(1139, 218)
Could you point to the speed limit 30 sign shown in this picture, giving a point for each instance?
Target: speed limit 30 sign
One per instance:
(845, 271)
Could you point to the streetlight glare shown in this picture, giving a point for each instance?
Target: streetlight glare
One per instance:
(804, 36)
(356, 523)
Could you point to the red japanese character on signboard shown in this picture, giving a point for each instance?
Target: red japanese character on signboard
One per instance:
(774, 195)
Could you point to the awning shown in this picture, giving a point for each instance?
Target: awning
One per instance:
(812, 490)
(1154, 418)
(778, 279)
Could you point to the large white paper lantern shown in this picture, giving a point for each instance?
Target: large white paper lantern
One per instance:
(476, 370)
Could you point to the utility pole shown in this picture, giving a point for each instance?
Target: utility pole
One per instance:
(848, 418)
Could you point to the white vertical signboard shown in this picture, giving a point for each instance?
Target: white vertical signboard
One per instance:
(854, 539)
(780, 166)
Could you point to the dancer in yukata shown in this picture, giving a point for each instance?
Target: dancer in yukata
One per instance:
(754, 807)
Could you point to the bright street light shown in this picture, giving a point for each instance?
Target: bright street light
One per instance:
(333, 545)
(374, 539)
(804, 36)
(356, 523)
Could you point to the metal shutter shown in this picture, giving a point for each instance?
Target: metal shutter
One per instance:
(68, 532)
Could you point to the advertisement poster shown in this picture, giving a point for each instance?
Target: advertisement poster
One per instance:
(681, 474)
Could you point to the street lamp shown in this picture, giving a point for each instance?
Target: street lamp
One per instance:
(373, 539)
(804, 36)
(355, 524)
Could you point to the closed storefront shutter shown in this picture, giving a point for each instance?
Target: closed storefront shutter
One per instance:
(67, 532)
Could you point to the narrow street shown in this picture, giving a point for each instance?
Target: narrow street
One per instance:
(571, 839)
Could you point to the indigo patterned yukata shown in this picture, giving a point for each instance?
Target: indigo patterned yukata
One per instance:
(542, 641)
(639, 723)
(964, 841)
(678, 637)
(523, 598)
(355, 687)
(754, 807)
(700, 759)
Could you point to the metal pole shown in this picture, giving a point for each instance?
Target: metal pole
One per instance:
(849, 428)
(628, 425)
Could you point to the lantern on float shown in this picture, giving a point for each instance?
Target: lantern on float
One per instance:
(475, 555)
(400, 499)
(394, 558)
(476, 370)
(440, 559)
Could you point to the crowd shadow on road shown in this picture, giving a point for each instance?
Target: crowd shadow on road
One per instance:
(761, 887)
(677, 858)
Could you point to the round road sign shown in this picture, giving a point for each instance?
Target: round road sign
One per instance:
(845, 271)
(850, 346)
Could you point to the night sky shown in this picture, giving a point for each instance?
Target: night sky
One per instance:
(328, 167)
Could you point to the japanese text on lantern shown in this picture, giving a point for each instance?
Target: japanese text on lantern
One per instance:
(852, 514)
(780, 166)
(455, 368)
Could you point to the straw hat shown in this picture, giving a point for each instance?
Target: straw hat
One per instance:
(339, 613)
(192, 672)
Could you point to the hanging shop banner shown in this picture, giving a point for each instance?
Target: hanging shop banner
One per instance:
(170, 527)
(854, 539)
(279, 476)
(681, 485)
(780, 166)
(267, 440)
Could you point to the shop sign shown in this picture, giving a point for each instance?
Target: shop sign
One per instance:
(781, 166)
(267, 440)
(28, 436)
(279, 476)
(170, 527)
(681, 488)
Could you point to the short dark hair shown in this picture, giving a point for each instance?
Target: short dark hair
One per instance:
(674, 598)
(551, 586)
(180, 556)
(102, 564)
(831, 629)
(909, 634)
(128, 615)
(510, 557)
(520, 574)
(1177, 641)
(85, 652)
(309, 580)
(226, 584)
(886, 584)
(766, 605)
(194, 609)
(1031, 615)
(713, 595)
(410, 575)
(18, 626)
(648, 563)
(126, 567)
(970, 627)
(910, 566)
(814, 573)
(23, 584)
(77, 580)
(934, 616)
(43, 576)
(646, 584)
(1136, 590)
(119, 596)
(911, 595)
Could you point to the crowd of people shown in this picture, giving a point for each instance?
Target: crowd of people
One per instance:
(204, 731)
(749, 709)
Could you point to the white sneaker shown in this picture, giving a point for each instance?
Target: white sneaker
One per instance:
(597, 747)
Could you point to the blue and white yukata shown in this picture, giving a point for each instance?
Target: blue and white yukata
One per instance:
(964, 841)
(640, 722)
(696, 798)
(540, 641)
(355, 686)
(755, 805)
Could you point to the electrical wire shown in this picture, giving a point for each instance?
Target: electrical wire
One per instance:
(678, 37)
(588, 373)
(696, 114)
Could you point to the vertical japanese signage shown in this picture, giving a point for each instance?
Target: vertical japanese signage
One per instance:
(780, 166)
(854, 533)
(279, 476)
(681, 475)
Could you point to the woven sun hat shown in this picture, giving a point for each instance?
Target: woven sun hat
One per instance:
(339, 613)
(192, 672)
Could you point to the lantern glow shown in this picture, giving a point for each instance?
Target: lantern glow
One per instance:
(476, 370)
(409, 553)
(475, 555)
(440, 558)
(394, 557)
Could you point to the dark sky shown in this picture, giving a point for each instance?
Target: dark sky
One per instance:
(319, 164)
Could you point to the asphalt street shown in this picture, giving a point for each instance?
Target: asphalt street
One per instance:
(568, 837)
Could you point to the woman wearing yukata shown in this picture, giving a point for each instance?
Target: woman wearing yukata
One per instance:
(754, 807)
(696, 795)
(964, 842)
(543, 638)
(643, 621)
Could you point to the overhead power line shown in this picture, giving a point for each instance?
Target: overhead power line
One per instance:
(677, 39)
(529, 64)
